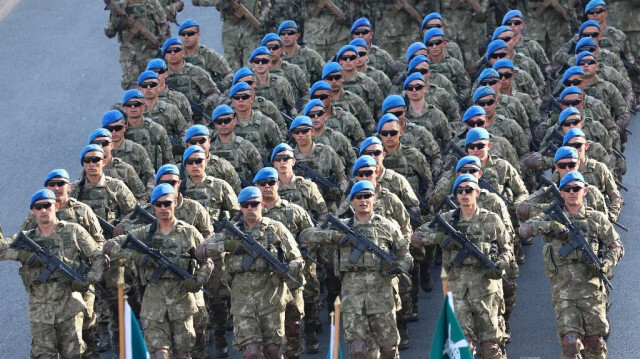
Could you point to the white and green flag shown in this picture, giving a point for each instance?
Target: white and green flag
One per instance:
(449, 340)
(133, 339)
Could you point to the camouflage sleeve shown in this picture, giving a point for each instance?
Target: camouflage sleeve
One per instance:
(133, 182)
(29, 222)
(271, 111)
(167, 148)
(539, 56)
(604, 116)
(301, 84)
(288, 244)
(209, 90)
(516, 184)
(288, 95)
(145, 169)
(563, 54)
(533, 113)
(364, 115)
(528, 86)
(375, 97)
(315, 201)
(423, 170)
(536, 74)
(448, 105)
(253, 158)
(179, 123)
(230, 202)
(541, 226)
(384, 83)
(610, 240)
(160, 19)
(214, 245)
(345, 151)
(623, 83)
(431, 151)
(442, 188)
(597, 201)
(202, 220)
(400, 246)
(406, 194)
(462, 79)
(317, 63)
(273, 134)
(352, 129)
(338, 170)
(6, 251)
(92, 225)
(230, 175)
(505, 250)
(184, 106)
(126, 201)
(216, 63)
(89, 248)
(521, 140)
(444, 127)
(522, 119)
(317, 235)
(400, 215)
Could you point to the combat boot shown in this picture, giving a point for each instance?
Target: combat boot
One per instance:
(414, 317)
(405, 342)
(222, 348)
(311, 339)
(519, 253)
(426, 282)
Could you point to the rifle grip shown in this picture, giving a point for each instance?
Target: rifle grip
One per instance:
(565, 250)
(45, 274)
(157, 273)
(247, 260)
(355, 254)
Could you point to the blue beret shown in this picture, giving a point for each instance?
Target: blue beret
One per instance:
(156, 64)
(242, 72)
(90, 148)
(429, 17)
(111, 116)
(161, 190)
(414, 76)
(261, 50)
(240, 86)
(584, 54)
(592, 4)
(168, 169)
(585, 41)
(472, 112)
(510, 15)
(503, 64)
(319, 85)
(476, 134)
(573, 70)
(147, 75)
(363, 21)
(58, 173)
(300, 121)
(248, 193)
(574, 132)
(188, 23)
(569, 111)
(494, 46)
(220, 111)
(361, 186)
(488, 73)
(99, 132)
(359, 42)
(565, 152)
(195, 130)
(170, 42)
(467, 177)
(363, 161)
(189, 151)
(387, 117)
(571, 90)
(133, 93)
(344, 49)
(41, 194)
(468, 160)
(481, 92)
(499, 30)
(588, 23)
(368, 142)
(570, 177)
(279, 148)
(413, 48)
(287, 24)
(392, 101)
(433, 32)
(272, 36)
(265, 173)
(417, 61)
(330, 68)
(311, 104)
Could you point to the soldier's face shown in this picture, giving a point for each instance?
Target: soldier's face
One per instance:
(250, 80)
(362, 202)
(571, 122)
(165, 206)
(261, 64)
(225, 124)
(348, 60)
(93, 162)
(423, 68)
(45, 215)
(106, 143)
(498, 55)
(252, 209)
(470, 169)
(516, 24)
(269, 188)
(202, 141)
(572, 100)
(196, 168)
(162, 75)
(509, 38)
(60, 187)
(488, 103)
(289, 37)
(377, 152)
(478, 121)
(367, 173)
(573, 192)
(589, 65)
(284, 161)
(415, 90)
(598, 13)
(150, 88)
(436, 45)
(431, 24)
(240, 102)
(467, 193)
(479, 149)
(171, 179)
(190, 36)
(390, 133)
(174, 55)
(302, 135)
(135, 107)
(335, 80)
(363, 56)
(399, 112)
(575, 78)
(117, 136)
(591, 31)
(506, 78)
(579, 143)
(276, 49)
(566, 165)
(323, 95)
(318, 117)
(364, 32)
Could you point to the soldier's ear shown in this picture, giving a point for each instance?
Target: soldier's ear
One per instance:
(489, 144)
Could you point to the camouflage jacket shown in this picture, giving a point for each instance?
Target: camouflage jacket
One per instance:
(538, 201)
(433, 120)
(607, 93)
(169, 117)
(308, 60)
(355, 105)
(196, 84)
(135, 155)
(150, 13)
(365, 87)
(346, 123)
(454, 71)
(154, 138)
(324, 160)
(305, 194)
(505, 178)
(340, 144)
(398, 185)
(277, 90)
(409, 162)
(243, 156)
(509, 129)
(214, 194)
(211, 61)
(444, 101)
(219, 167)
(110, 199)
(179, 100)
(420, 138)
(510, 107)
(261, 131)
(297, 79)
(381, 60)
(380, 78)
(294, 217)
(117, 168)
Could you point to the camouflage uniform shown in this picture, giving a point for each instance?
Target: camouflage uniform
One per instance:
(267, 108)
(412, 164)
(534, 50)
(297, 80)
(511, 108)
(214, 194)
(55, 310)
(305, 194)
(340, 144)
(577, 292)
(308, 60)
(620, 81)
(477, 297)
(211, 61)
(433, 120)
(509, 129)
(368, 316)
(420, 138)
(154, 138)
(258, 296)
(346, 123)
(355, 105)
(398, 185)
(196, 84)
(118, 169)
(167, 308)
(505, 178)
(380, 59)
(500, 147)
(363, 86)
(549, 29)
(242, 155)
(380, 78)
(399, 31)
(454, 71)
(531, 108)
(169, 117)
(325, 33)
(135, 155)
(277, 90)
(611, 96)
(179, 100)
(442, 81)
(135, 53)
(261, 131)
(539, 200)
(622, 16)
(443, 101)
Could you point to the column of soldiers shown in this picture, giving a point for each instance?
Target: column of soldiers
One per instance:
(259, 173)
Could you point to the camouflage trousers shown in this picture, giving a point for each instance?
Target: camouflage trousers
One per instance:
(480, 318)
(293, 314)
(550, 30)
(470, 38)
(64, 338)
(311, 295)
(586, 316)
(177, 336)
(217, 305)
(261, 329)
(200, 324)
(89, 325)
(377, 330)
(238, 42)
(634, 40)
(405, 287)
(133, 61)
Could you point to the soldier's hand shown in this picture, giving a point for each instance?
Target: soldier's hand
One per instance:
(526, 230)
(560, 231)
(522, 211)
(179, 5)
(120, 229)
(392, 268)
(108, 246)
(606, 266)
(234, 246)
(191, 285)
(531, 161)
(110, 33)
(142, 260)
(201, 252)
(416, 239)
(29, 258)
(334, 194)
(502, 265)
(80, 286)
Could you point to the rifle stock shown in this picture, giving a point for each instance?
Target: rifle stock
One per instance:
(134, 25)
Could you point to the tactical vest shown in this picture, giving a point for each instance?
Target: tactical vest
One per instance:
(265, 235)
(589, 230)
(294, 193)
(182, 82)
(102, 201)
(477, 234)
(171, 246)
(367, 260)
(236, 157)
(203, 194)
(284, 214)
(147, 139)
(399, 163)
(251, 132)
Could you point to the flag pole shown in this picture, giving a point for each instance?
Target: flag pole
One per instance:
(121, 316)
(445, 282)
(336, 331)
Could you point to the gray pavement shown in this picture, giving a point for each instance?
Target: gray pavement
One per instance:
(60, 73)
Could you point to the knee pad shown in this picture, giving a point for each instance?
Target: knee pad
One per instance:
(571, 344)
(161, 354)
(250, 351)
(489, 350)
(292, 328)
(595, 344)
(358, 349)
(272, 351)
(389, 352)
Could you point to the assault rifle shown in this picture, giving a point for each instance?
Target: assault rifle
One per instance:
(240, 12)
(555, 5)
(163, 262)
(360, 243)
(314, 176)
(53, 263)
(194, 105)
(404, 5)
(135, 26)
(256, 251)
(330, 6)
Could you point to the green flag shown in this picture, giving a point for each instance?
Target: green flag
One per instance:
(449, 340)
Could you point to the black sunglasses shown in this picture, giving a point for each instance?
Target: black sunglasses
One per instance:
(320, 97)
(596, 11)
(281, 158)
(149, 85)
(439, 26)
(303, 130)
(375, 153)
(252, 204)
(570, 189)
(102, 143)
(92, 159)
(274, 47)
(361, 32)
(476, 146)
(385, 133)
(488, 82)
(135, 104)
(513, 23)
(414, 87)
(506, 75)
(590, 34)
(314, 114)
(469, 170)
(396, 113)
(485, 103)
(506, 38)
(57, 183)
(565, 165)
(333, 77)
(288, 32)
(261, 61)
(161, 204)
(569, 123)
(574, 82)
(188, 33)
(198, 141)
(587, 62)
(191, 161)
(160, 71)
(172, 183)
(571, 103)
(478, 123)
(243, 97)
(265, 183)
(422, 71)
(498, 55)
(116, 128)
(348, 57)
(223, 120)
(434, 43)
(467, 190)
(39, 206)
(173, 50)
(365, 173)
(363, 195)
(576, 145)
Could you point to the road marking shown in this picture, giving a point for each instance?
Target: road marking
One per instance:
(6, 6)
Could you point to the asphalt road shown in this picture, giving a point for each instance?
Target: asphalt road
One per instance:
(60, 73)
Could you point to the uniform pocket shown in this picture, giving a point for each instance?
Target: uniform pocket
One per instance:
(550, 267)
